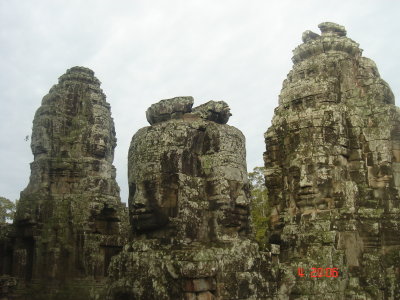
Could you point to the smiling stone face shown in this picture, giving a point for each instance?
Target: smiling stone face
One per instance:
(154, 202)
(187, 176)
(307, 161)
(156, 159)
(309, 185)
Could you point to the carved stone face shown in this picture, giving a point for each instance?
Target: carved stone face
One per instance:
(315, 161)
(310, 177)
(231, 203)
(189, 180)
(154, 202)
(157, 162)
(99, 143)
(145, 206)
(240, 196)
(310, 185)
(99, 148)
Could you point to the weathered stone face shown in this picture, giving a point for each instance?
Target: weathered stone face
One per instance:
(68, 217)
(332, 171)
(185, 168)
(189, 210)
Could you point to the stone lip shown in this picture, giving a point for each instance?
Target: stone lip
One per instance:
(181, 108)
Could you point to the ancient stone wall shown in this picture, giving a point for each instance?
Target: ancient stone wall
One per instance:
(189, 210)
(68, 219)
(332, 170)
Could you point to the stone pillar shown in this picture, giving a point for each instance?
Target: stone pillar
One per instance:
(68, 219)
(189, 210)
(332, 171)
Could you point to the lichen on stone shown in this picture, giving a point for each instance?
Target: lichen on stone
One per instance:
(69, 219)
(332, 172)
(189, 212)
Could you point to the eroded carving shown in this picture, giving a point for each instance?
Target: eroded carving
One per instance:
(331, 171)
(68, 219)
(189, 211)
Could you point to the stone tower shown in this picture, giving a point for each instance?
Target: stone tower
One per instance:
(333, 174)
(68, 219)
(189, 210)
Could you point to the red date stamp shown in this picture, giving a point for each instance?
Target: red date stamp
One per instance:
(319, 272)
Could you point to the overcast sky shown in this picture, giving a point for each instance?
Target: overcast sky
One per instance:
(145, 51)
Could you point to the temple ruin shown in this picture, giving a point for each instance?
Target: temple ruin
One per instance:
(333, 174)
(189, 210)
(69, 219)
(332, 166)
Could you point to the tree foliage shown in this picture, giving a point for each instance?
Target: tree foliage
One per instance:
(259, 205)
(7, 210)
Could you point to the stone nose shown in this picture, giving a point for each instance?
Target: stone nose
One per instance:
(139, 201)
(305, 178)
(242, 200)
(305, 182)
